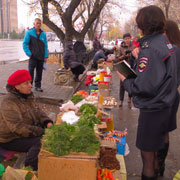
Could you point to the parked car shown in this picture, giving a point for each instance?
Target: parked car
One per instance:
(57, 39)
(112, 42)
(50, 36)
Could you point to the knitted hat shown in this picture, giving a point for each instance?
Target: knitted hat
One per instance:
(19, 77)
(126, 35)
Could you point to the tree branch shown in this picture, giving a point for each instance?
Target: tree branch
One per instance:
(71, 8)
(50, 24)
(80, 14)
(57, 6)
(98, 6)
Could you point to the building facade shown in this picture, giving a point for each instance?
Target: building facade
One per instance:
(8, 16)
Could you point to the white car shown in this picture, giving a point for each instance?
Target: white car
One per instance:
(57, 39)
(112, 43)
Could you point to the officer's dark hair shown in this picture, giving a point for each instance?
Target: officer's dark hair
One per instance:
(150, 19)
(172, 32)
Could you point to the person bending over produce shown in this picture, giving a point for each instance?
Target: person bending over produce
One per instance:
(22, 122)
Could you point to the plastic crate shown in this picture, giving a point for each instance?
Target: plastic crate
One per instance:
(92, 88)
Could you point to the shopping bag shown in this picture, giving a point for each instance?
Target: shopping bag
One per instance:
(18, 174)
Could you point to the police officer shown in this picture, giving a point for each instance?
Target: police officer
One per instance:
(154, 90)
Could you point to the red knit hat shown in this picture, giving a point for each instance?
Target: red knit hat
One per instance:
(19, 77)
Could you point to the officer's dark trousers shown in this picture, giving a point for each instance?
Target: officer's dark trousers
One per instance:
(121, 92)
(29, 145)
(38, 65)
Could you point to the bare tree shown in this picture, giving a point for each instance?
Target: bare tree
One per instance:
(67, 12)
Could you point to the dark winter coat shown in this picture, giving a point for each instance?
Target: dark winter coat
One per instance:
(177, 52)
(120, 52)
(96, 45)
(20, 117)
(99, 54)
(69, 56)
(155, 86)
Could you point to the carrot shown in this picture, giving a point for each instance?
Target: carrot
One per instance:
(110, 176)
(99, 174)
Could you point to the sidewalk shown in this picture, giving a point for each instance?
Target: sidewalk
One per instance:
(53, 94)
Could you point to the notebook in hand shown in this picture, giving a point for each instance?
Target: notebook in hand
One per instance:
(124, 68)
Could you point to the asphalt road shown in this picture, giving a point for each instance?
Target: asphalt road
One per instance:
(12, 49)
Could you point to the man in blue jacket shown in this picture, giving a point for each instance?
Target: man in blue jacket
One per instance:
(98, 55)
(35, 46)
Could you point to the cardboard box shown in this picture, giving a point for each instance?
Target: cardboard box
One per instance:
(103, 85)
(73, 166)
(104, 92)
(109, 64)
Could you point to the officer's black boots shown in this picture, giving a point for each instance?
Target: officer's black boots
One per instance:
(143, 177)
(161, 155)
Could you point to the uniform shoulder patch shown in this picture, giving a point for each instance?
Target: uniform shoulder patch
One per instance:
(142, 64)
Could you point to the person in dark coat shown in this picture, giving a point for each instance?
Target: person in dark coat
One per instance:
(124, 53)
(173, 33)
(80, 50)
(96, 44)
(154, 90)
(99, 54)
(70, 61)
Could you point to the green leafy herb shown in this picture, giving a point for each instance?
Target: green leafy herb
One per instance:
(88, 109)
(88, 120)
(85, 141)
(58, 139)
(65, 138)
(76, 98)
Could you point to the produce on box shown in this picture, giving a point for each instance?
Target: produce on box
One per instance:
(76, 98)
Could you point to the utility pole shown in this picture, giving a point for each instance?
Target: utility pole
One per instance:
(7, 15)
(1, 17)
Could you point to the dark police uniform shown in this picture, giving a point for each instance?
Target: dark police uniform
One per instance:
(154, 91)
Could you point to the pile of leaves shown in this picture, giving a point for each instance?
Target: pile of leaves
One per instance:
(65, 138)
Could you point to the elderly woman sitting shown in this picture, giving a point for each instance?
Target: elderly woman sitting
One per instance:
(22, 122)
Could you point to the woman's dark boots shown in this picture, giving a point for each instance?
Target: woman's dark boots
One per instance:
(143, 177)
(161, 155)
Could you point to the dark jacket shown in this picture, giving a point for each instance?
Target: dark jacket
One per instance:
(20, 117)
(35, 46)
(121, 52)
(156, 84)
(79, 47)
(99, 54)
(69, 56)
(96, 45)
(177, 52)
